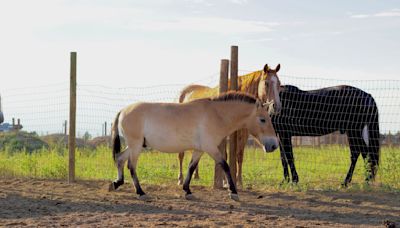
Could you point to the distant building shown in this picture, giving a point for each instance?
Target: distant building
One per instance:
(5, 127)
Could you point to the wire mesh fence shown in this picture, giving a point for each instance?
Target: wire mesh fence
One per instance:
(320, 161)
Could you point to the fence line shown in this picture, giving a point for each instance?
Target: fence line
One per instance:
(44, 109)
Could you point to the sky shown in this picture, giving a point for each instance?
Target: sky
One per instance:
(143, 43)
(125, 43)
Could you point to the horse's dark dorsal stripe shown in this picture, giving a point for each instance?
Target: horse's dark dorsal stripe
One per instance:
(235, 96)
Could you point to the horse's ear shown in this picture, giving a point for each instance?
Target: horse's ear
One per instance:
(266, 68)
(278, 67)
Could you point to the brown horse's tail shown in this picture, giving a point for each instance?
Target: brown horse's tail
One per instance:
(184, 92)
(189, 89)
(115, 140)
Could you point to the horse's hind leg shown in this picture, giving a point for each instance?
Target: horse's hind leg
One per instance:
(243, 136)
(180, 176)
(122, 157)
(196, 173)
(355, 153)
(132, 162)
(192, 166)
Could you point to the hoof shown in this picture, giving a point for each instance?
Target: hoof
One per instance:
(189, 197)
(344, 185)
(144, 197)
(180, 182)
(225, 184)
(111, 188)
(234, 196)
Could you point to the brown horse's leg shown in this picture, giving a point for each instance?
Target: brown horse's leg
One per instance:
(242, 140)
(196, 173)
(192, 166)
(122, 157)
(180, 176)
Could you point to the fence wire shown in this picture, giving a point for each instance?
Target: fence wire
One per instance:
(320, 161)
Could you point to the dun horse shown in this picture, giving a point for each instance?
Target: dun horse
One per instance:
(200, 125)
(264, 84)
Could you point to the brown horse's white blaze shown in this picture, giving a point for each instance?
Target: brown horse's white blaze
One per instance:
(200, 125)
(264, 84)
(269, 88)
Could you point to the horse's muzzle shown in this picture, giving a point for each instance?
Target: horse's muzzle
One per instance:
(270, 144)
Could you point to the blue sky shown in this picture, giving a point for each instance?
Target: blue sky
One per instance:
(140, 43)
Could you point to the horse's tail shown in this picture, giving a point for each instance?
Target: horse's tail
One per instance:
(184, 92)
(115, 140)
(189, 89)
(374, 137)
(371, 134)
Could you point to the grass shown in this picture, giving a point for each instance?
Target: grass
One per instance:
(318, 168)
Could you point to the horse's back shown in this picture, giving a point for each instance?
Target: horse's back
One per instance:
(322, 111)
(168, 127)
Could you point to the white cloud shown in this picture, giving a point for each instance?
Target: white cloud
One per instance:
(239, 2)
(206, 24)
(387, 13)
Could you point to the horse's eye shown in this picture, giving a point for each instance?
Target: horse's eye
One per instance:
(262, 120)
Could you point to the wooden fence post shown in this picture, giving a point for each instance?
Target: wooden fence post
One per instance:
(233, 142)
(223, 87)
(72, 119)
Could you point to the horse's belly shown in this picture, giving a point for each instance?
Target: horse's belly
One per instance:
(169, 140)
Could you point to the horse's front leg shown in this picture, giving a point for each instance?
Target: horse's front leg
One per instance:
(287, 148)
(180, 176)
(120, 162)
(192, 166)
(218, 158)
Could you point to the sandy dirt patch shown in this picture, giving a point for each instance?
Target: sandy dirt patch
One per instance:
(88, 203)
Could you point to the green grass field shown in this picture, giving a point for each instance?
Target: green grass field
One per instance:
(318, 168)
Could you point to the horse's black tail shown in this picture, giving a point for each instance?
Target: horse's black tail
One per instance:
(115, 140)
(374, 137)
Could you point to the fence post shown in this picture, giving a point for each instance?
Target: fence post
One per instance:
(65, 127)
(72, 119)
(233, 142)
(223, 87)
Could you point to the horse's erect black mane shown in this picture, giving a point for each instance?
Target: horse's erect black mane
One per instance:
(235, 96)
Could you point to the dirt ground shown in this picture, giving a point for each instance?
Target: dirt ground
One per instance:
(88, 203)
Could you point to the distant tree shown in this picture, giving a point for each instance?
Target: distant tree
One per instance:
(87, 136)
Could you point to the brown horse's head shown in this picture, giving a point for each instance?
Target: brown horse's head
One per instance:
(269, 88)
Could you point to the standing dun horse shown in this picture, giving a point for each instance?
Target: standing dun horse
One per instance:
(263, 84)
(200, 125)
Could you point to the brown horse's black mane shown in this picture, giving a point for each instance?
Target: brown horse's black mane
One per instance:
(235, 96)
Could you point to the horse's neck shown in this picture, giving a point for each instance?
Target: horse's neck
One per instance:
(249, 83)
(234, 114)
